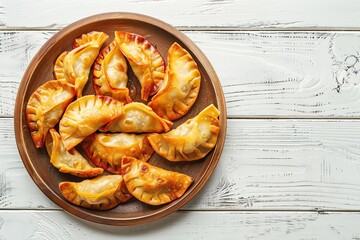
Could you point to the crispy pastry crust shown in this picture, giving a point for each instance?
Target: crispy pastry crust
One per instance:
(45, 108)
(145, 61)
(190, 141)
(110, 74)
(100, 193)
(106, 150)
(138, 118)
(86, 115)
(181, 85)
(151, 184)
(68, 161)
(74, 66)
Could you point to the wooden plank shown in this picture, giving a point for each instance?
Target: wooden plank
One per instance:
(265, 165)
(286, 74)
(17, 189)
(199, 13)
(185, 225)
(263, 74)
(16, 51)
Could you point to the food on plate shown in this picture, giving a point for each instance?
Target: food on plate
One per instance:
(138, 118)
(181, 85)
(45, 108)
(145, 61)
(105, 150)
(74, 66)
(110, 74)
(68, 161)
(86, 115)
(151, 184)
(190, 141)
(116, 134)
(100, 193)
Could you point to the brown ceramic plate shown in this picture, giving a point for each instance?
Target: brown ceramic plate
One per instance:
(40, 70)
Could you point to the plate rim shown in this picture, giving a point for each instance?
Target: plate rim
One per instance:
(20, 126)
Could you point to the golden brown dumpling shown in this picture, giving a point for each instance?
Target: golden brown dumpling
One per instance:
(138, 118)
(191, 140)
(145, 61)
(45, 108)
(60, 72)
(153, 185)
(106, 150)
(71, 161)
(100, 193)
(110, 74)
(86, 115)
(74, 66)
(181, 85)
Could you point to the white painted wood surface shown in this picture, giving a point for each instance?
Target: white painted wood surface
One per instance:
(185, 225)
(290, 74)
(265, 165)
(189, 13)
(263, 74)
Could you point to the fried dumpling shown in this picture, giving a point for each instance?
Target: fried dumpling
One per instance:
(145, 61)
(74, 66)
(68, 161)
(110, 74)
(180, 87)
(106, 150)
(191, 140)
(151, 184)
(100, 193)
(60, 72)
(86, 115)
(138, 118)
(45, 108)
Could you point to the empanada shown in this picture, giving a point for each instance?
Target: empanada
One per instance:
(45, 108)
(151, 184)
(86, 115)
(106, 150)
(145, 61)
(100, 193)
(180, 87)
(110, 74)
(138, 118)
(190, 141)
(74, 66)
(68, 161)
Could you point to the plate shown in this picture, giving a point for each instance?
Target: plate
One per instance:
(40, 70)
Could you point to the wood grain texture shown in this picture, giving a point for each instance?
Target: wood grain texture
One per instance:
(200, 13)
(276, 179)
(16, 51)
(286, 74)
(265, 165)
(185, 225)
(286, 164)
(263, 74)
(267, 74)
(17, 189)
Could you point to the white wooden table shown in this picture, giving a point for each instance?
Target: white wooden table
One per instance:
(290, 71)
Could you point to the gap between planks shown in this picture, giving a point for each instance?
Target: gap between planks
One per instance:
(219, 29)
(202, 210)
(291, 118)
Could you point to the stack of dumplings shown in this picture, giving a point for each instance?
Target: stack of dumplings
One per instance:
(117, 134)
